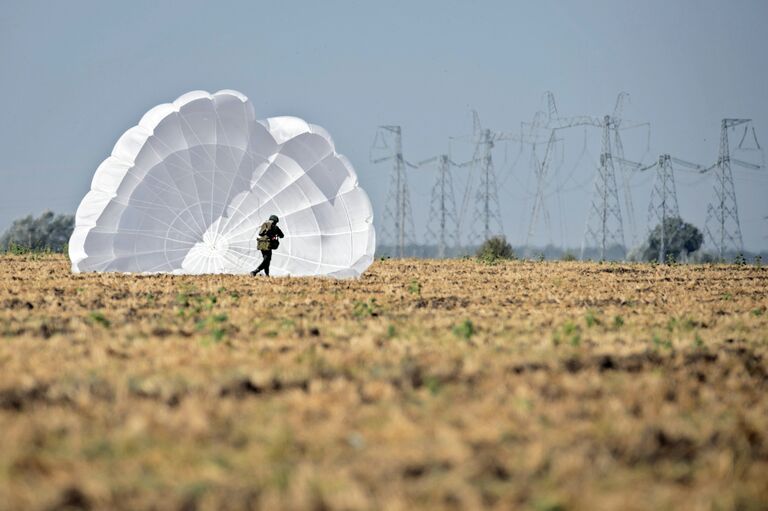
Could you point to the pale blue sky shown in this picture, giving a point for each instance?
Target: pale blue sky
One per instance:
(76, 75)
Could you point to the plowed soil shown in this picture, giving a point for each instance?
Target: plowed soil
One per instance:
(423, 385)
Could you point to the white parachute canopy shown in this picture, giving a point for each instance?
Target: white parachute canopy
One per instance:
(187, 189)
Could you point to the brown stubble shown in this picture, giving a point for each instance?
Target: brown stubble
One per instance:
(230, 392)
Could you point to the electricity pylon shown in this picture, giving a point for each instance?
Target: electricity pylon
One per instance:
(605, 223)
(541, 167)
(487, 202)
(663, 204)
(487, 211)
(443, 225)
(618, 151)
(487, 208)
(398, 218)
(722, 226)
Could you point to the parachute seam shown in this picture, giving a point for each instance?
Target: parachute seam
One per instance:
(306, 172)
(194, 180)
(165, 163)
(245, 153)
(225, 204)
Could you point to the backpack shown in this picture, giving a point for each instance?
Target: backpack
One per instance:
(263, 242)
(265, 227)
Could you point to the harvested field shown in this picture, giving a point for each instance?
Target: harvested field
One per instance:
(423, 385)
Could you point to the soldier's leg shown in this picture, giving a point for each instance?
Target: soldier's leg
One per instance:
(267, 260)
(264, 262)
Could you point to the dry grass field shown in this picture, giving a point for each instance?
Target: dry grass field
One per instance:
(423, 385)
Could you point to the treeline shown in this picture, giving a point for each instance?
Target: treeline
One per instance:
(676, 241)
(682, 243)
(553, 253)
(48, 232)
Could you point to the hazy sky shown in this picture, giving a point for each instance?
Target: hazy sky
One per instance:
(75, 75)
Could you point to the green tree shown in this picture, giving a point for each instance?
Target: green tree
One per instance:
(495, 248)
(675, 238)
(48, 231)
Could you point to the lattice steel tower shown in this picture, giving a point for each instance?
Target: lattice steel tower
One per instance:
(604, 222)
(618, 153)
(549, 123)
(487, 212)
(541, 169)
(663, 203)
(398, 218)
(722, 227)
(443, 225)
(487, 208)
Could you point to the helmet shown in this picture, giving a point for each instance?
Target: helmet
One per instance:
(273, 219)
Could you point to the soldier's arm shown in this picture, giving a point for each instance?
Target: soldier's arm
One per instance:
(279, 232)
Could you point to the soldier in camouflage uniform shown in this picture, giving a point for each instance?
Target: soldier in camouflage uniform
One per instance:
(269, 233)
